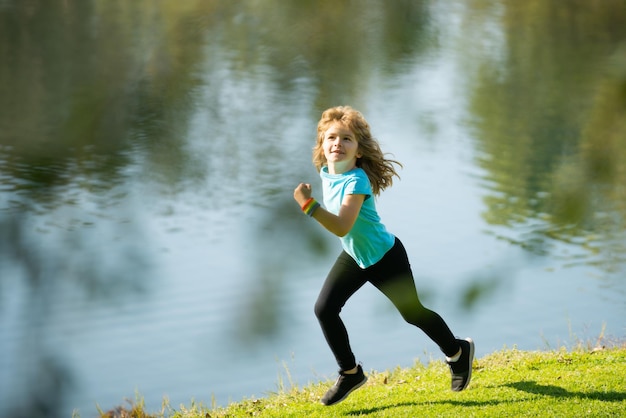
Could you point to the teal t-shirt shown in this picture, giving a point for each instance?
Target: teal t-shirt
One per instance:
(368, 240)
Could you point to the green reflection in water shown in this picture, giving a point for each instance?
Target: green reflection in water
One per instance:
(547, 110)
(98, 95)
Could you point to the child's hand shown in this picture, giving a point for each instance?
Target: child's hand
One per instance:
(302, 193)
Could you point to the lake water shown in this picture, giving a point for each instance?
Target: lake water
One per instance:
(148, 154)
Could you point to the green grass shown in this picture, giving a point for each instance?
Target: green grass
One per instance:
(508, 383)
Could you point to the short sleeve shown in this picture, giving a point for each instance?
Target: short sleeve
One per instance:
(359, 184)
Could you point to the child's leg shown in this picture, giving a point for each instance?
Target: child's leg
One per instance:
(393, 277)
(345, 278)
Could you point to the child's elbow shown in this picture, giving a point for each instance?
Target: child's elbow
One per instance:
(340, 229)
(342, 232)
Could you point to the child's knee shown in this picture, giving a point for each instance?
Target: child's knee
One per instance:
(323, 309)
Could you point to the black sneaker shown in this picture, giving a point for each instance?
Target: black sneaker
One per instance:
(345, 384)
(461, 369)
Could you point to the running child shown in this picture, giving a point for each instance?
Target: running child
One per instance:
(354, 171)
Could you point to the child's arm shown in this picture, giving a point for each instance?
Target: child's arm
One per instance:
(339, 224)
(342, 223)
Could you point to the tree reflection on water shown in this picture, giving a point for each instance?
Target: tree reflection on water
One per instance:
(86, 89)
(548, 117)
(98, 100)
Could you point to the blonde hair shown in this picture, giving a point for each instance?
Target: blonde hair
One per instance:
(379, 169)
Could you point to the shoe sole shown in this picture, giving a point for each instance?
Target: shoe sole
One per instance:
(348, 393)
(471, 362)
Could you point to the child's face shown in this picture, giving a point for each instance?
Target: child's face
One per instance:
(341, 148)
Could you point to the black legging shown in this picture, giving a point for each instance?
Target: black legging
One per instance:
(392, 276)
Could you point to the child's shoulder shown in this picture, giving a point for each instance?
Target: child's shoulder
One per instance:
(358, 177)
(358, 173)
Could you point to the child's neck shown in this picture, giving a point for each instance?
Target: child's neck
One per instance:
(341, 167)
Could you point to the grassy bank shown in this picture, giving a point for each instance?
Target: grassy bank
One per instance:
(508, 383)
